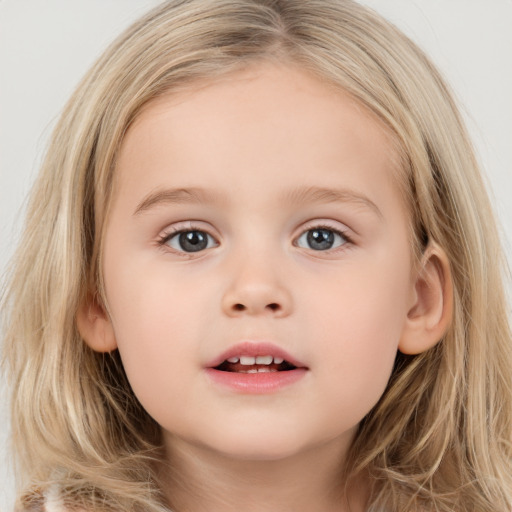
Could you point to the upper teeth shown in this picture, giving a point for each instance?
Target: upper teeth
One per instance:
(249, 360)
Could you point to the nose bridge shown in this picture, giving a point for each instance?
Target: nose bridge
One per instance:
(256, 284)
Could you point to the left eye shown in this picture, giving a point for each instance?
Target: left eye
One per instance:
(190, 241)
(321, 239)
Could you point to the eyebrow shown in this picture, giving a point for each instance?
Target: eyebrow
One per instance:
(296, 196)
(175, 196)
(330, 195)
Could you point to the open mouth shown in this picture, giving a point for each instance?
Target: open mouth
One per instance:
(255, 368)
(256, 364)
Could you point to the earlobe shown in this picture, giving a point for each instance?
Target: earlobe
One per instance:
(431, 310)
(94, 325)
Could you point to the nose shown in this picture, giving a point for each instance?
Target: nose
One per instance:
(256, 289)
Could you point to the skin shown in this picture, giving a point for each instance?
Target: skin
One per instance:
(250, 143)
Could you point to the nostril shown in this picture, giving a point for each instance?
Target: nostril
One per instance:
(241, 307)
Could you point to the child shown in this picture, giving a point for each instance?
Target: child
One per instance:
(260, 272)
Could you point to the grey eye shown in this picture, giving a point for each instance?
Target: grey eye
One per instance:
(191, 241)
(321, 239)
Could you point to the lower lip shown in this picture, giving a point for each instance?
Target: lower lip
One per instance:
(256, 383)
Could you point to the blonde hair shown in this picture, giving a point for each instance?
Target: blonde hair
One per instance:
(439, 438)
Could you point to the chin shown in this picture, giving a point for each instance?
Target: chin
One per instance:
(256, 446)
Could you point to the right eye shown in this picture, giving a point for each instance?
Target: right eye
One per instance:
(192, 240)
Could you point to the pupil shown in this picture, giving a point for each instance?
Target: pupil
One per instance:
(320, 239)
(193, 241)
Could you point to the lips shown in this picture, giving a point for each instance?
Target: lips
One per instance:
(249, 357)
(255, 369)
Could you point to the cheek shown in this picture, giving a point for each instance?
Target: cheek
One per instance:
(155, 327)
(149, 301)
(361, 321)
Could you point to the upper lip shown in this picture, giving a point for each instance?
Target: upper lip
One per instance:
(250, 348)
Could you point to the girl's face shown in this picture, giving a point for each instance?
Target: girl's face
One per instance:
(258, 216)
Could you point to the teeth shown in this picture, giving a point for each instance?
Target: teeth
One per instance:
(249, 360)
(264, 360)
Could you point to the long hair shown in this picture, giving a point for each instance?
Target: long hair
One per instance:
(440, 436)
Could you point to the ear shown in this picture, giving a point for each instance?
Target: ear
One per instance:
(95, 326)
(431, 308)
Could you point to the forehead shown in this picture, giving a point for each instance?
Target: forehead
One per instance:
(265, 124)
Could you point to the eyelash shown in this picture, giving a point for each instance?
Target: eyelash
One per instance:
(341, 233)
(164, 239)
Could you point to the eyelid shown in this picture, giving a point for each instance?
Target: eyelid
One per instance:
(180, 227)
(330, 225)
(187, 225)
(193, 225)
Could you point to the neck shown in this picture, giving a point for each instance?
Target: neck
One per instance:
(198, 479)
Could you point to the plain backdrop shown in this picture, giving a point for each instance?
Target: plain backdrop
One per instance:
(47, 45)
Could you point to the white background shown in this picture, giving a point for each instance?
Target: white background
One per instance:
(47, 45)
